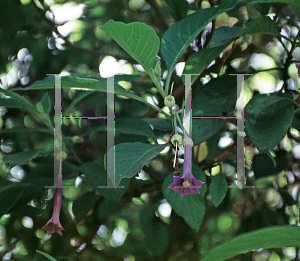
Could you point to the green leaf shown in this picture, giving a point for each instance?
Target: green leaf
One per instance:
(262, 24)
(86, 83)
(41, 256)
(179, 8)
(137, 39)
(83, 94)
(82, 205)
(293, 3)
(133, 127)
(131, 157)
(160, 124)
(218, 189)
(22, 158)
(223, 36)
(46, 103)
(96, 176)
(203, 129)
(106, 208)
(155, 231)
(267, 118)
(18, 101)
(10, 195)
(216, 98)
(199, 61)
(190, 207)
(271, 237)
(178, 37)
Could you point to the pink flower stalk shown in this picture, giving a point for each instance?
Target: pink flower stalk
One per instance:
(53, 225)
(186, 184)
(298, 67)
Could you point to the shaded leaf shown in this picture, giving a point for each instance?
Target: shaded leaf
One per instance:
(203, 129)
(131, 157)
(267, 118)
(262, 24)
(155, 231)
(46, 103)
(82, 205)
(218, 189)
(223, 36)
(294, 3)
(134, 127)
(179, 8)
(96, 176)
(21, 158)
(217, 97)
(199, 61)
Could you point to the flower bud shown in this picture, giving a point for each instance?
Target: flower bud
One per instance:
(176, 138)
(169, 101)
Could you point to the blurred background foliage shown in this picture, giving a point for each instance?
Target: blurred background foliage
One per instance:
(57, 36)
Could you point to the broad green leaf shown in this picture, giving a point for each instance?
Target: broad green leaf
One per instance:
(96, 176)
(218, 189)
(21, 158)
(44, 256)
(190, 207)
(199, 61)
(137, 39)
(178, 37)
(85, 83)
(271, 237)
(267, 118)
(179, 8)
(216, 98)
(203, 129)
(294, 3)
(155, 231)
(131, 157)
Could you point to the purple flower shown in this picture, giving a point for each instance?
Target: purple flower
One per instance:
(298, 67)
(186, 184)
(53, 225)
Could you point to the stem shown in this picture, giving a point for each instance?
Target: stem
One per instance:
(179, 121)
(167, 83)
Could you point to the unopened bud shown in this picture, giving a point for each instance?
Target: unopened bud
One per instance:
(169, 101)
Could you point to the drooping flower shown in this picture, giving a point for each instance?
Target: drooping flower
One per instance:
(186, 184)
(298, 67)
(53, 225)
